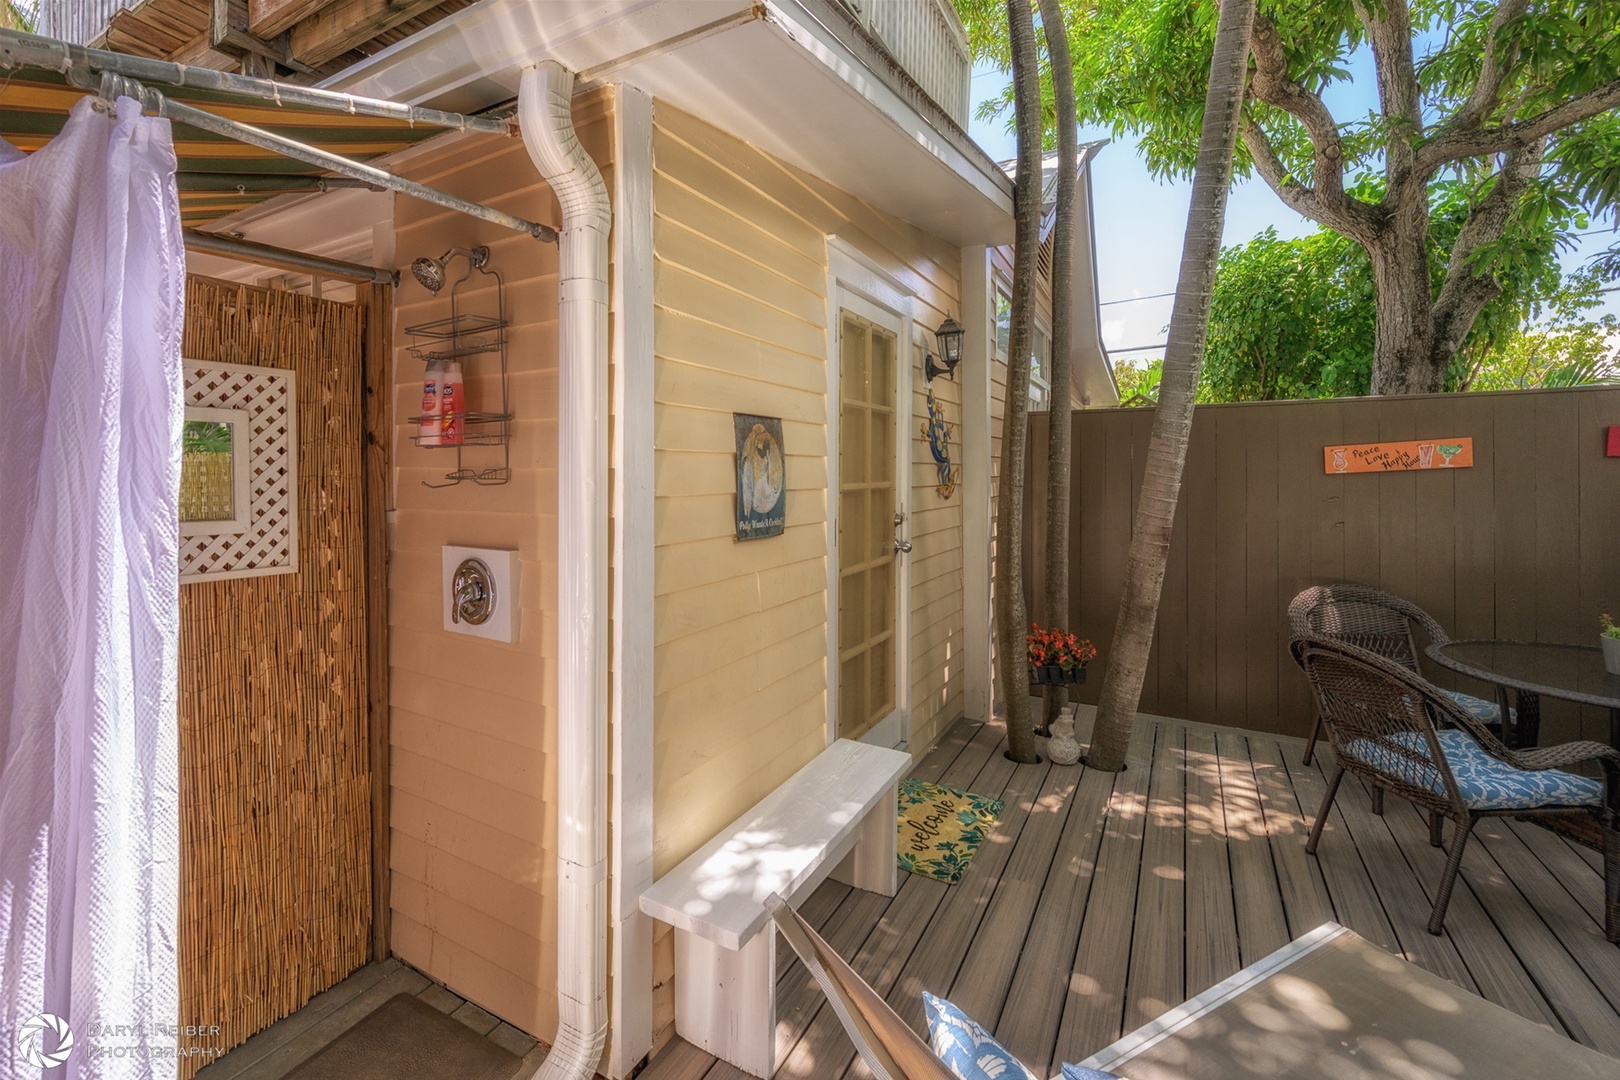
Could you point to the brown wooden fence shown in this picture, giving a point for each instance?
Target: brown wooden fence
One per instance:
(1525, 544)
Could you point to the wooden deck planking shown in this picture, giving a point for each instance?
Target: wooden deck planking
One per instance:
(1580, 1007)
(1355, 901)
(1157, 978)
(1029, 1025)
(992, 958)
(1262, 926)
(1580, 933)
(1497, 973)
(889, 959)
(1564, 862)
(1304, 893)
(811, 1043)
(960, 914)
(1211, 947)
(1404, 899)
(1062, 932)
(1094, 1007)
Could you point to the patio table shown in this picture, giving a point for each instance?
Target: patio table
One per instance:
(1331, 1004)
(1534, 669)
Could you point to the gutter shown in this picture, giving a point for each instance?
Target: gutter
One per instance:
(545, 116)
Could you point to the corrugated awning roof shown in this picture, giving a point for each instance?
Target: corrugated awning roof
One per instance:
(217, 175)
(186, 31)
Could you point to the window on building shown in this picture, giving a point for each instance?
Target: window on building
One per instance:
(1040, 367)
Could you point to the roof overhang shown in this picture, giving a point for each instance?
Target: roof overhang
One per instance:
(788, 76)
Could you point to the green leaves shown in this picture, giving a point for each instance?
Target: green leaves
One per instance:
(1290, 319)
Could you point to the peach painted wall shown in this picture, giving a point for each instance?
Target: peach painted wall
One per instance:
(474, 722)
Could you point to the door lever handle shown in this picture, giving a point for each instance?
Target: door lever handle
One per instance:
(902, 547)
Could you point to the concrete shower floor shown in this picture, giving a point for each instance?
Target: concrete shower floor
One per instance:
(284, 1045)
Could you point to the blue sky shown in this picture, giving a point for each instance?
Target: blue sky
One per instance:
(1140, 220)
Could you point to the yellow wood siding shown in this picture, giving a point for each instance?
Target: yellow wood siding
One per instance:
(740, 664)
(474, 722)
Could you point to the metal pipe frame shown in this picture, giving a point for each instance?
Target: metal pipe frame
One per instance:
(155, 102)
(284, 259)
(18, 49)
(226, 183)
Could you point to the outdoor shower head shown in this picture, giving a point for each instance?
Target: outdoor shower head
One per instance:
(430, 272)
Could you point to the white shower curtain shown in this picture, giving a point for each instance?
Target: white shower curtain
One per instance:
(92, 289)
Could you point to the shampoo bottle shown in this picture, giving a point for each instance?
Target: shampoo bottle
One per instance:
(452, 406)
(427, 431)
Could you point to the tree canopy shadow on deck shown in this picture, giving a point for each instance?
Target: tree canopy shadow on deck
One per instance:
(1101, 900)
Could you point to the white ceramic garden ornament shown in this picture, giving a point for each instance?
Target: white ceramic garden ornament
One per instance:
(1062, 749)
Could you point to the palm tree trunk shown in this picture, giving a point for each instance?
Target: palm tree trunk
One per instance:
(1172, 421)
(1060, 431)
(1012, 623)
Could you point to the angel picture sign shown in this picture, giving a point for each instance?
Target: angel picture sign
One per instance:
(761, 476)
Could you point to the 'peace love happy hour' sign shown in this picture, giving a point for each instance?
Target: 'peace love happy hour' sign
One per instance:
(1454, 453)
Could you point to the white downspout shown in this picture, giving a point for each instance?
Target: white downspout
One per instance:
(545, 113)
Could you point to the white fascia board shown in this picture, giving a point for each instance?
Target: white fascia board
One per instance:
(491, 42)
(1093, 372)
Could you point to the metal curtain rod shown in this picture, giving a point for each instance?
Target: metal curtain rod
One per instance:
(154, 101)
(18, 49)
(285, 259)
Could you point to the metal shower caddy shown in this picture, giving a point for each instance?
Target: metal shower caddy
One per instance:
(465, 335)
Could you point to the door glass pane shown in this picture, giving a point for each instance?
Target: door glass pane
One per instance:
(852, 610)
(856, 460)
(851, 516)
(881, 389)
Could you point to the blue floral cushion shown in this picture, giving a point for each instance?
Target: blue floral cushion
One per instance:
(1486, 712)
(1484, 782)
(969, 1051)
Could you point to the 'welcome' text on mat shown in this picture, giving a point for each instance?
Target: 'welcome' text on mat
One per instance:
(941, 828)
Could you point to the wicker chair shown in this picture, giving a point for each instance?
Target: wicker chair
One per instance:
(1384, 723)
(1378, 622)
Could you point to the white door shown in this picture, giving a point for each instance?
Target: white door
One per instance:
(869, 555)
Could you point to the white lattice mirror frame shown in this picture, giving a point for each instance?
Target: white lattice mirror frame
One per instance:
(264, 402)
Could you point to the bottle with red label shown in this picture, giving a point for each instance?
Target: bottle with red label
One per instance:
(428, 426)
(452, 406)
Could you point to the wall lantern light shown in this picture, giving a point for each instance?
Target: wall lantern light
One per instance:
(949, 335)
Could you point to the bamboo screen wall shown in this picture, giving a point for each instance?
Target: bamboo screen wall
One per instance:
(275, 778)
(1525, 544)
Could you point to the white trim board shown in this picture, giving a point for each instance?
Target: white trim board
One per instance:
(978, 315)
(631, 855)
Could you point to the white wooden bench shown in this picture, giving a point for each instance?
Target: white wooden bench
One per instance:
(836, 817)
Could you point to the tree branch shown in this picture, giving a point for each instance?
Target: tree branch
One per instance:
(1488, 87)
(1465, 292)
(1351, 217)
(1272, 85)
(1458, 145)
(1391, 40)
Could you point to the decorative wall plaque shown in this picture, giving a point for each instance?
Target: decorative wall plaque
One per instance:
(761, 476)
(1452, 453)
(259, 407)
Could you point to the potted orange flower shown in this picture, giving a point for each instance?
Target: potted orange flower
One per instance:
(1057, 657)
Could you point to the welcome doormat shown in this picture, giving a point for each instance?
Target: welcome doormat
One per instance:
(941, 828)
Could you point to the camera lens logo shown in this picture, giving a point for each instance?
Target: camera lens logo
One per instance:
(31, 1039)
